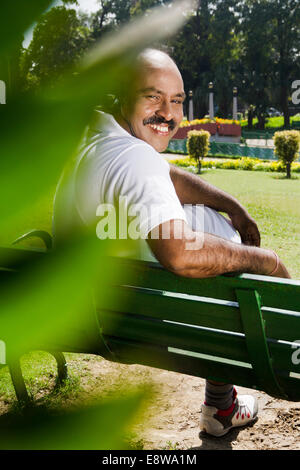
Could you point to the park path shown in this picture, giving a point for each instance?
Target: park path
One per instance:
(171, 417)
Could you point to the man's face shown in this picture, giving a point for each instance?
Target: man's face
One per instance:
(158, 110)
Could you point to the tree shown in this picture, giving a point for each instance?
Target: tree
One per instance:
(140, 7)
(101, 20)
(270, 43)
(225, 53)
(207, 50)
(59, 41)
(256, 57)
(285, 19)
(114, 13)
(287, 144)
(198, 145)
(190, 51)
(251, 44)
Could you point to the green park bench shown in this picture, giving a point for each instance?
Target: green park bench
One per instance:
(242, 328)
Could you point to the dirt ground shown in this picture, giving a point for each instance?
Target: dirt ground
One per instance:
(172, 416)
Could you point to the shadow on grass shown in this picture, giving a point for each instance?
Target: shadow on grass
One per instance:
(282, 176)
(203, 172)
(55, 394)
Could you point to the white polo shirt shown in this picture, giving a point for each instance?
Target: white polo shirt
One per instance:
(114, 166)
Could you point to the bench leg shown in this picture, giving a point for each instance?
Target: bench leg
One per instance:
(62, 369)
(18, 381)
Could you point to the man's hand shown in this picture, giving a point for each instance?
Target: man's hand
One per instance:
(246, 226)
(191, 189)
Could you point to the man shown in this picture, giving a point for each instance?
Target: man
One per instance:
(121, 159)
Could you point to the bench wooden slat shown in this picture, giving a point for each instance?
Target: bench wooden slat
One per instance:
(282, 325)
(211, 313)
(274, 292)
(139, 328)
(281, 355)
(157, 304)
(206, 341)
(185, 362)
(191, 363)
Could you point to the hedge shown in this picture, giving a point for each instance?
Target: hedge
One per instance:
(249, 164)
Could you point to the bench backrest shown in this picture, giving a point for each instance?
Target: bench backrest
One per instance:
(241, 328)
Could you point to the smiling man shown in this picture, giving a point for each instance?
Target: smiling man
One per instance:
(155, 90)
(120, 159)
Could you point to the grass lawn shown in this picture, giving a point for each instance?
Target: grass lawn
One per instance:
(273, 202)
(273, 122)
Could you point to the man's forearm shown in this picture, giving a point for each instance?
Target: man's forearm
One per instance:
(191, 189)
(201, 255)
(219, 256)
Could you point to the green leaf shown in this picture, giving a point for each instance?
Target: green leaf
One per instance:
(15, 18)
(97, 427)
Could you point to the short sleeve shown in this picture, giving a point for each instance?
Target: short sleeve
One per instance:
(143, 182)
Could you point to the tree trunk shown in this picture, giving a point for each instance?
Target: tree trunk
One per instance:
(199, 166)
(285, 109)
(261, 122)
(287, 119)
(288, 170)
(250, 119)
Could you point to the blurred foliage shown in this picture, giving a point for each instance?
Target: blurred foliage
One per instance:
(101, 426)
(48, 300)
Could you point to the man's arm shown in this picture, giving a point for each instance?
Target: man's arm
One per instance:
(191, 189)
(210, 256)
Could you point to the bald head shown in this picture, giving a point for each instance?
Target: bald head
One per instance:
(156, 110)
(156, 59)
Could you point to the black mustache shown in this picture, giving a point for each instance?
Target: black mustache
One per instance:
(159, 120)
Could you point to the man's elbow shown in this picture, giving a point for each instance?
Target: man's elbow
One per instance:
(169, 255)
(175, 264)
(181, 266)
(183, 256)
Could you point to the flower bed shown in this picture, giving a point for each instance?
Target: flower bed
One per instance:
(224, 127)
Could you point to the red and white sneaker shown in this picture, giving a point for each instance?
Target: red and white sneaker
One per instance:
(216, 422)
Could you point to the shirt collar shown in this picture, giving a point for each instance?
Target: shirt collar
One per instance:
(106, 123)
